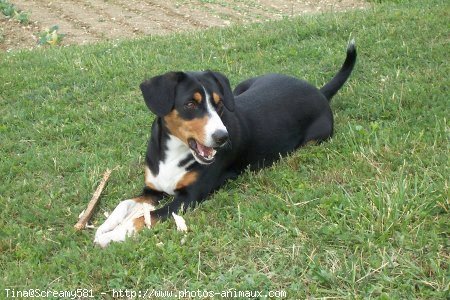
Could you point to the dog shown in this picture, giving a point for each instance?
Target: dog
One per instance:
(205, 134)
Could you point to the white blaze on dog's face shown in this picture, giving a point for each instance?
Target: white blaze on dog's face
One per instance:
(214, 125)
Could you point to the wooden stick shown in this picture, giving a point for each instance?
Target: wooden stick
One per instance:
(90, 208)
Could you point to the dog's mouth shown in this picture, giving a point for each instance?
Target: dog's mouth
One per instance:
(202, 153)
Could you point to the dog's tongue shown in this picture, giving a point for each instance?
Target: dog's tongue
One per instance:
(204, 151)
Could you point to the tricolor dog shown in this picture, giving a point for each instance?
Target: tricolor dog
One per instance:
(204, 134)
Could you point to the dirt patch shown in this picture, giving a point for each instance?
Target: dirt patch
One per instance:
(13, 35)
(89, 21)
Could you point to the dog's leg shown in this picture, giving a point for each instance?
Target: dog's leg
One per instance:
(194, 194)
(125, 220)
(128, 217)
(320, 130)
(182, 201)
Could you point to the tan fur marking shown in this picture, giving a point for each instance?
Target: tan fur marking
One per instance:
(139, 223)
(197, 97)
(185, 129)
(147, 199)
(216, 98)
(187, 179)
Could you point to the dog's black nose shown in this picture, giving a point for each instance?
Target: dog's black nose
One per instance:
(220, 137)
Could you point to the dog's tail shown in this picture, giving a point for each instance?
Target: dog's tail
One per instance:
(331, 88)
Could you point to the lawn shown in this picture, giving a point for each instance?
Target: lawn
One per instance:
(364, 215)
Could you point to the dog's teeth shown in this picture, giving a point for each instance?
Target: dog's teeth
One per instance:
(211, 154)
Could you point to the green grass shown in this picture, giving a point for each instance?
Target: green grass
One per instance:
(364, 215)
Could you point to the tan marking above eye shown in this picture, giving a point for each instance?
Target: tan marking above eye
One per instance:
(216, 98)
(197, 97)
(185, 129)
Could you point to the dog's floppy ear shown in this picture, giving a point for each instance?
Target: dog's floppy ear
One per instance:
(224, 84)
(159, 92)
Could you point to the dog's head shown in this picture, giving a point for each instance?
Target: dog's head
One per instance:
(191, 106)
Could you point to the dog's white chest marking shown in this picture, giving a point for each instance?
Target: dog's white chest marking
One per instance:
(170, 172)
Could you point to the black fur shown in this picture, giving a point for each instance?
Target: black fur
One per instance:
(159, 92)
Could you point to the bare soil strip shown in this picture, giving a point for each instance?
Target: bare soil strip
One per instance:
(89, 21)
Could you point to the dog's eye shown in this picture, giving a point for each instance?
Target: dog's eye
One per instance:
(192, 104)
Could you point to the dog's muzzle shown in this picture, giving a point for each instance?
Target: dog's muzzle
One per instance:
(204, 154)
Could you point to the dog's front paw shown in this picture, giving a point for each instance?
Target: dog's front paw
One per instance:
(123, 222)
(117, 235)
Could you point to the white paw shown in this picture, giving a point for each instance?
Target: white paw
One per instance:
(120, 224)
